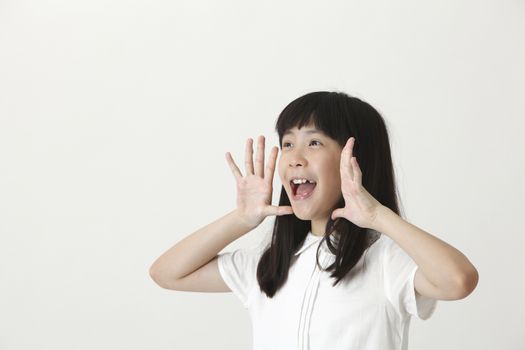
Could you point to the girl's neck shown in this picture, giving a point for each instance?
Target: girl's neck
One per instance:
(318, 226)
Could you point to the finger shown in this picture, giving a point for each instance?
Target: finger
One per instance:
(276, 210)
(248, 157)
(259, 159)
(357, 171)
(270, 166)
(346, 154)
(337, 214)
(235, 170)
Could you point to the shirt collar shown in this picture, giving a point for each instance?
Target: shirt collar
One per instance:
(309, 241)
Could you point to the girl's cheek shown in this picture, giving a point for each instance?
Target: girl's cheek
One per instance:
(280, 169)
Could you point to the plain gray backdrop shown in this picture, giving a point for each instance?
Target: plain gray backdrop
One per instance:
(115, 117)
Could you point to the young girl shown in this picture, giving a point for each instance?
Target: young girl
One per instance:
(342, 269)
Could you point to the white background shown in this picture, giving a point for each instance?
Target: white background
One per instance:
(115, 117)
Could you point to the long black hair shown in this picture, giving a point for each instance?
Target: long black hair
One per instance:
(340, 117)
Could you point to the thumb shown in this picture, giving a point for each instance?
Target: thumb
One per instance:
(283, 210)
(338, 213)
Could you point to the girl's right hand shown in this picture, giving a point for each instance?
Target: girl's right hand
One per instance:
(254, 191)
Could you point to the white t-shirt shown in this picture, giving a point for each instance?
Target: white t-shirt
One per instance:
(370, 308)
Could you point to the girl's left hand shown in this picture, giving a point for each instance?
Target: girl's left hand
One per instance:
(361, 207)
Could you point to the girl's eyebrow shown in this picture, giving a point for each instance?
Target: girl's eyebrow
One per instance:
(308, 131)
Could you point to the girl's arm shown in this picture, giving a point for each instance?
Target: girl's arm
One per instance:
(444, 272)
(443, 269)
(254, 204)
(197, 249)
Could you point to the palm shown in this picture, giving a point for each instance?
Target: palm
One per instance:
(254, 191)
(360, 206)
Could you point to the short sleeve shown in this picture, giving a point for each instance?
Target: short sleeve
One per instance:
(399, 271)
(238, 269)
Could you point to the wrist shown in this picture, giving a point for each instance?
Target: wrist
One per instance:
(241, 220)
(381, 217)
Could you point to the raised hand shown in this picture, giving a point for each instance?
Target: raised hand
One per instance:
(254, 191)
(361, 207)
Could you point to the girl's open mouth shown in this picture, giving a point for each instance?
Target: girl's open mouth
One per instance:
(302, 191)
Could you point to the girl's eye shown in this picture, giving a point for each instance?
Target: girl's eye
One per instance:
(287, 143)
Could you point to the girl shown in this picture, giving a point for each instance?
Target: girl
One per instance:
(342, 269)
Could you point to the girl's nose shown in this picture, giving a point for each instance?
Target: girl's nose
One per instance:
(297, 161)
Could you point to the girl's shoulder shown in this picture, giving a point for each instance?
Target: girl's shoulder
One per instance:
(381, 238)
(374, 238)
(380, 246)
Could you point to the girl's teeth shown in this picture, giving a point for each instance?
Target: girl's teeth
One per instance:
(301, 181)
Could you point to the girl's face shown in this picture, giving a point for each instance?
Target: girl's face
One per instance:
(309, 153)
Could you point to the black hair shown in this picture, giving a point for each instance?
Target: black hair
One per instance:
(340, 117)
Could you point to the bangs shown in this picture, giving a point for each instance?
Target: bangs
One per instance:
(320, 109)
